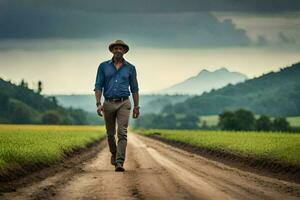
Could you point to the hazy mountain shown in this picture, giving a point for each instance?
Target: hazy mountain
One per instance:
(274, 93)
(85, 102)
(205, 81)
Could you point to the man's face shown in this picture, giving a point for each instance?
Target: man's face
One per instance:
(118, 51)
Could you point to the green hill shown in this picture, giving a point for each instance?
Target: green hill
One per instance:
(274, 93)
(21, 105)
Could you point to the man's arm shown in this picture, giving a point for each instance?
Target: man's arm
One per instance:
(98, 95)
(99, 84)
(136, 108)
(98, 89)
(134, 87)
(135, 96)
(98, 102)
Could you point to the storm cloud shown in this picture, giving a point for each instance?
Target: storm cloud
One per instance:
(168, 23)
(186, 29)
(285, 39)
(160, 6)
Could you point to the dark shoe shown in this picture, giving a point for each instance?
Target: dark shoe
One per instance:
(113, 159)
(119, 167)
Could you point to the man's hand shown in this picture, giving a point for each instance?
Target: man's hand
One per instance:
(136, 112)
(100, 110)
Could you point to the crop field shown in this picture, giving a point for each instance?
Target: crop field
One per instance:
(34, 144)
(294, 121)
(283, 147)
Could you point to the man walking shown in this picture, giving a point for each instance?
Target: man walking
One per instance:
(115, 76)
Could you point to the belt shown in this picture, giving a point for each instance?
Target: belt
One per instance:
(116, 99)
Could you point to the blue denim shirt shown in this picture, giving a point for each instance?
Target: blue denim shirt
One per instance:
(116, 82)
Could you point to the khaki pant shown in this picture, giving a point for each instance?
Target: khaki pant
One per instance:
(117, 113)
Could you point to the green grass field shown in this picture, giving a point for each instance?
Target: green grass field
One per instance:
(32, 144)
(212, 120)
(294, 121)
(284, 147)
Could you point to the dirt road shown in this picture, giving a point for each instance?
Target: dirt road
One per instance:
(155, 170)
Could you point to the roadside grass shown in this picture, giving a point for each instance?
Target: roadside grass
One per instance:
(294, 121)
(276, 146)
(22, 145)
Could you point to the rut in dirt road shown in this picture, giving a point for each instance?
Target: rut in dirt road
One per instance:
(155, 170)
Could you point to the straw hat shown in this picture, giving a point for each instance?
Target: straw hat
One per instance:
(119, 42)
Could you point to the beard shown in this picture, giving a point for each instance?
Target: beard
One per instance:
(118, 55)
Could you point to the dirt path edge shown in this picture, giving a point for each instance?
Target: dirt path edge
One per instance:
(265, 167)
(32, 173)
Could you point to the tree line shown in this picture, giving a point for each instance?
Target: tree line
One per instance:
(21, 105)
(244, 120)
(239, 120)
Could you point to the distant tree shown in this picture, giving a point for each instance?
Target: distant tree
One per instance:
(227, 121)
(263, 123)
(157, 121)
(239, 120)
(280, 124)
(40, 87)
(189, 121)
(168, 108)
(204, 125)
(245, 120)
(169, 121)
(67, 119)
(3, 103)
(51, 117)
(23, 84)
(53, 100)
(20, 113)
(78, 116)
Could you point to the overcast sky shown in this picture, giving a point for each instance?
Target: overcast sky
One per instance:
(63, 42)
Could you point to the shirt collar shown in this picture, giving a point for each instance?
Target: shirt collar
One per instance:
(111, 61)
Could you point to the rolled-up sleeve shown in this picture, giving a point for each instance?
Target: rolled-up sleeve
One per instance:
(134, 86)
(99, 83)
